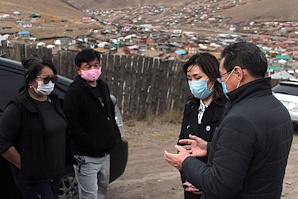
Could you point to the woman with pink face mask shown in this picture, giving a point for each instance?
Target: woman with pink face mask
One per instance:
(91, 118)
(33, 133)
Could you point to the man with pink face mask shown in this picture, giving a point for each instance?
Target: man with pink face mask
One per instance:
(92, 127)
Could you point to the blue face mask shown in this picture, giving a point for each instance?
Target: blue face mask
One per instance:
(224, 86)
(199, 89)
(224, 89)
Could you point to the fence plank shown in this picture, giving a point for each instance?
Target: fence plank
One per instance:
(116, 75)
(122, 78)
(147, 71)
(3, 47)
(128, 88)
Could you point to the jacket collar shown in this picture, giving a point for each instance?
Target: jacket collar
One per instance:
(256, 88)
(100, 83)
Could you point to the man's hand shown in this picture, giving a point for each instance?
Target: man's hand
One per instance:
(176, 160)
(195, 145)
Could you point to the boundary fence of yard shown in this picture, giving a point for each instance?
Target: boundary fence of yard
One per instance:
(143, 86)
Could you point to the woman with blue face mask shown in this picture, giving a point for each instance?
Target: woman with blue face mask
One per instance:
(204, 108)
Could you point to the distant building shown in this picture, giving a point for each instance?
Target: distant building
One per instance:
(35, 15)
(87, 19)
(25, 24)
(24, 34)
(191, 48)
(16, 13)
(64, 41)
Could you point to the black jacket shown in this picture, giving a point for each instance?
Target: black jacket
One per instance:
(205, 130)
(23, 127)
(91, 125)
(249, 151)
(210, 121)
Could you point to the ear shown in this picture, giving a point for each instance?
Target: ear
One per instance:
(78, 70)
(238, 70)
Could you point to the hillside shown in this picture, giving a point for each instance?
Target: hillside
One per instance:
(49, 25)
(116, 4)
(53, 8)
(247, 9)
(285, 10)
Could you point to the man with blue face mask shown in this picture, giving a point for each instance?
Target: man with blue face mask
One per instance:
(248, 154)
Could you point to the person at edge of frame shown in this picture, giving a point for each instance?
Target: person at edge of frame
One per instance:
(248, 154)
(33, 132)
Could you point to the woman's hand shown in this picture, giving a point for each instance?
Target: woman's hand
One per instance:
(195, 145)
(191, 188)
(13, 156)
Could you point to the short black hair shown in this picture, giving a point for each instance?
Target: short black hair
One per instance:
(86, 55)
(246, 55)
(34, 65)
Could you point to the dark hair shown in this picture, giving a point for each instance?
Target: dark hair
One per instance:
(210, 66)
(246, 55)
(33, 66)
(86, 55)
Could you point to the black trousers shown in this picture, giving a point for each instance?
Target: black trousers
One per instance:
(48, 189)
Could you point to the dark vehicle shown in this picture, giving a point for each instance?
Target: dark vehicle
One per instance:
(11, 80)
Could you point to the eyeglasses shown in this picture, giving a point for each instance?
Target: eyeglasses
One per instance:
(46, 80)
(220, 76)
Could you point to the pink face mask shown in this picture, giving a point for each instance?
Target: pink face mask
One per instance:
(91, 75)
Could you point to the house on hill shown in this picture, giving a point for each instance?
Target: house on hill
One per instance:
(35, 15)
(191, 48)
(24, 34)
(64, 41)
(16, 13)
(25, 24)
(2, 38)
(283, 75)
(87, 19)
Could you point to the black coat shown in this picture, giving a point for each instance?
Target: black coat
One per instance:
(23, 127)
(92, 126)
(210, 120)
(205, 130)
(249, 151)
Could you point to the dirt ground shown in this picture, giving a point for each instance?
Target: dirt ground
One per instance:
(149, 176)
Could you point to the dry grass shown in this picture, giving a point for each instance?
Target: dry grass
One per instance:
(158, 130)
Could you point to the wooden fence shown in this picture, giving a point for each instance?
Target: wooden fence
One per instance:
(143, 86)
